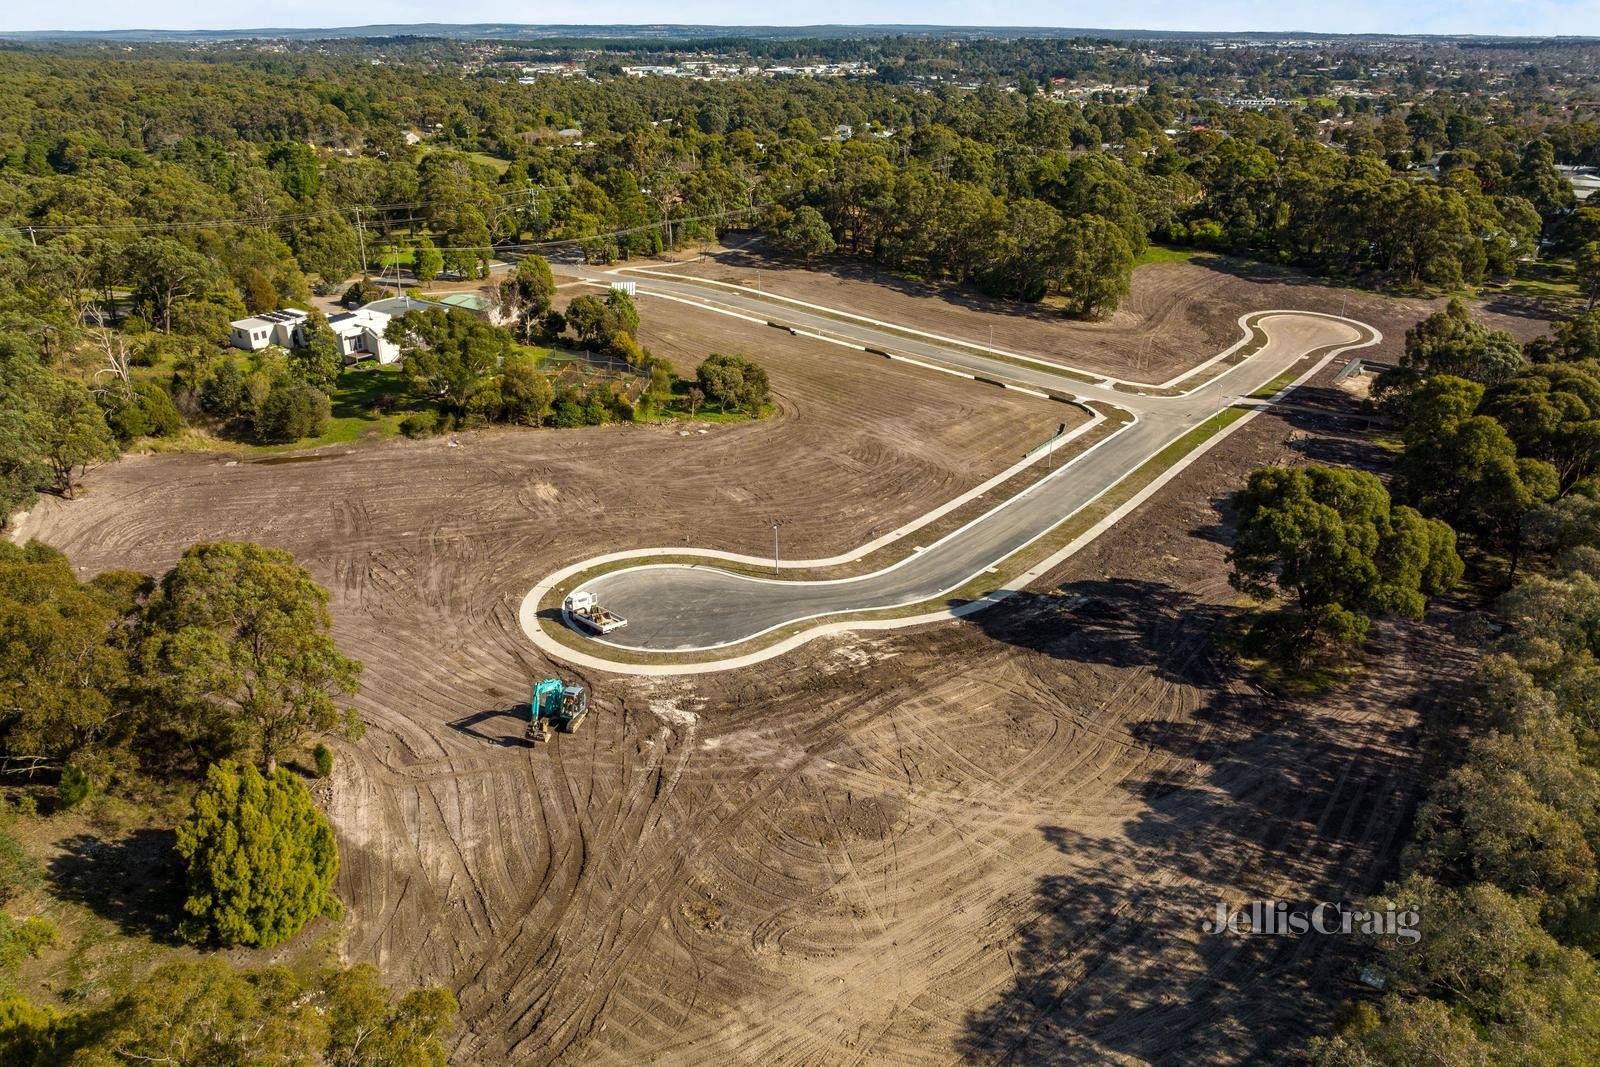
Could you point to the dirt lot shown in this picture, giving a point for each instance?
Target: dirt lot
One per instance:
(991, 840)
(1177, 314)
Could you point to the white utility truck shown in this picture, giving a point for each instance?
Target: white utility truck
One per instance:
(582, 608)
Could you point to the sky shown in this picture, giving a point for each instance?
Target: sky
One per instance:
(1509, 17)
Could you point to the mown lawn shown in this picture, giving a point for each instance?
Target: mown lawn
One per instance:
(356, 412)
(1163, 254)
(1549, 284)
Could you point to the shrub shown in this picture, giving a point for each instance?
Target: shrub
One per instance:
(292, 410)
(419, 424)
(208, 1011)
(361, 291)
(568, 411)
(260, 858)
(620, 408)
(24, 940)
(224, 392)
(146, 412)
(322, 756)
(74, 787)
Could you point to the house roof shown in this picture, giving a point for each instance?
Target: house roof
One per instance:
(269, 318)
(364, 319)
(399, 305)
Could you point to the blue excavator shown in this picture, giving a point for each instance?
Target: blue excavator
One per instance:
(555, 705)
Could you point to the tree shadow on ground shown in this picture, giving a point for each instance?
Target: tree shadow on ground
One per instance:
(1333, 428)
(1254, 270)
(1251, 799)
(497, 726)
(134, 881)
(1118, 622)
(1538, 309)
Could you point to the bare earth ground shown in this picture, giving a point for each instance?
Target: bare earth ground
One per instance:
(1176, 315)
(991, 840)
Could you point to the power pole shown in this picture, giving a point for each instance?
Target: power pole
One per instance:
(361, 236)
(33, 237)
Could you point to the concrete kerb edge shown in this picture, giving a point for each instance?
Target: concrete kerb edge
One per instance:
(528, 612)
(1100, 381)
(1048, 364)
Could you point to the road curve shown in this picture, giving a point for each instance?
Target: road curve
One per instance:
(678, 608)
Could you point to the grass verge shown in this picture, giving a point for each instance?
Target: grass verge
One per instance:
(975, 588)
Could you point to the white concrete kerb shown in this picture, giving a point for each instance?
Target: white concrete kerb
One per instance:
(528, 612)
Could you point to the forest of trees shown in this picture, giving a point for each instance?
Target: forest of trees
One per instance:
(1501, 446)
(150, 196)
(121, 685)
(137, 217)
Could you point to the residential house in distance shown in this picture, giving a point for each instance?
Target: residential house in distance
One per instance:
(360, 331)
(282, 328)
(360, 335)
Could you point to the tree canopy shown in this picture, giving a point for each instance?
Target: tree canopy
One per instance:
(1330, 539)
(449, 354)
(1453, 342)
(525, 294)
(242, 632)
(733, 382)
(259, 858)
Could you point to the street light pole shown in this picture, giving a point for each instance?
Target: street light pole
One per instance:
(774, 550)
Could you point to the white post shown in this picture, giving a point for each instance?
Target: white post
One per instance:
(361, 236)
(774, 550)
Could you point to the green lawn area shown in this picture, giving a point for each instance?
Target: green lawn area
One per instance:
(1551, 276)
(1548, 283)
(405, 257)
(500, 165)
(1163, 254)
(355, 413)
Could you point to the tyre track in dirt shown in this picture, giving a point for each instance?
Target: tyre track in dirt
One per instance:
(971, 842)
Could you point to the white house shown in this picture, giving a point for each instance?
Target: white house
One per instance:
(360, 335)
(282, 328)
(360, 332)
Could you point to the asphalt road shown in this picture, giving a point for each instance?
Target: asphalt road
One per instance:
(679, 608)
